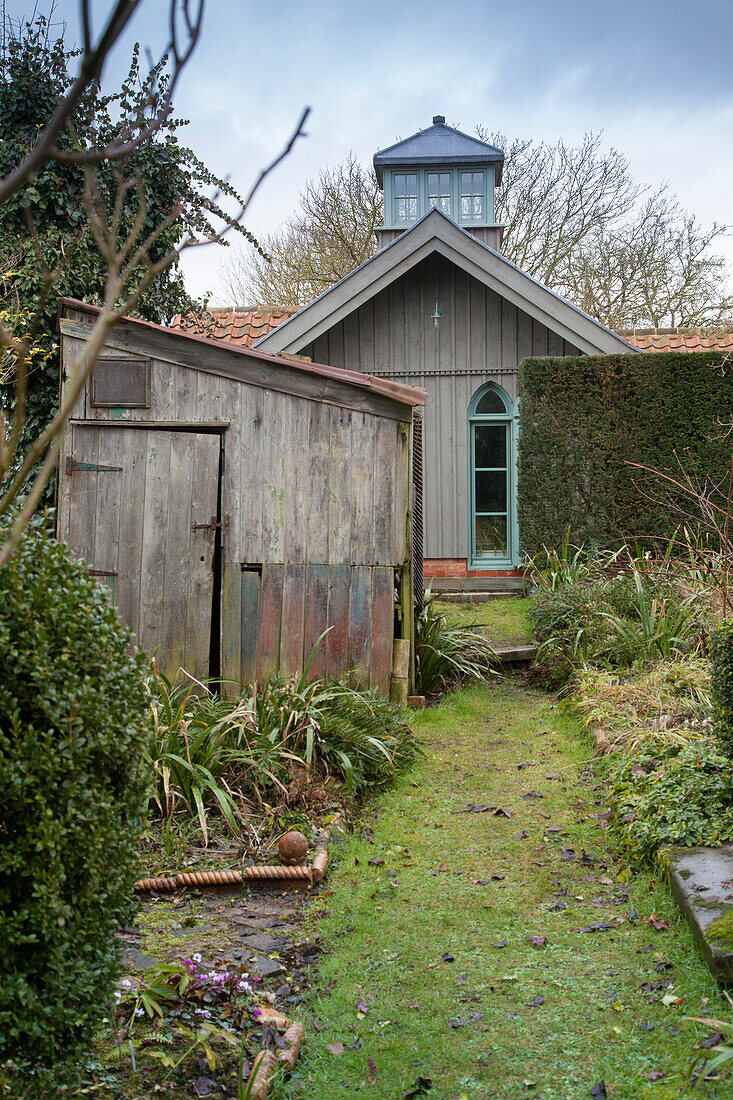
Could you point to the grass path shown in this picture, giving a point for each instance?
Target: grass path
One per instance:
(428, 971)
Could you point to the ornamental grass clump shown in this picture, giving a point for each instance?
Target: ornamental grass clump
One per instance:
(448, 652)
(72, 734)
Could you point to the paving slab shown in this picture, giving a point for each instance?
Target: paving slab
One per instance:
(702, 882)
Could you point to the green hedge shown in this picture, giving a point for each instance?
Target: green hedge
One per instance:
(720, 644)
(583, 419)
(73, 730)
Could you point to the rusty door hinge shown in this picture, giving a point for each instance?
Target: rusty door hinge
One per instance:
(212, 526)
(73, 467)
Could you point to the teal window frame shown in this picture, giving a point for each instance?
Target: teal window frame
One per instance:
(509, 418)
(391, 222)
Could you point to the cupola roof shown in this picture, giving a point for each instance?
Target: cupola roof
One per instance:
(438, 144)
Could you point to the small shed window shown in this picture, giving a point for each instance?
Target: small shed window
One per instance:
(473, 187)
(439, 190)
(405, 197)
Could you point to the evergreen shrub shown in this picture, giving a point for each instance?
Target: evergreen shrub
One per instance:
(73, 729)
(720, 648)
(583, 420)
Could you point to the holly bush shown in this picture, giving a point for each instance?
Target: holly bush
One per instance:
(73, 731)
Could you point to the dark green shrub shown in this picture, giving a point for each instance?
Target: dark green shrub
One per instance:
(72, 734)
(582, 420)
(672, 794)
(720, 646)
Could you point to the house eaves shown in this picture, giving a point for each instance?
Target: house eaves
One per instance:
(437, 233)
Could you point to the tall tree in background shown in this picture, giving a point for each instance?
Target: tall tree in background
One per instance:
(575, 219)
(330, 234)
(48, 244)
(578, 221)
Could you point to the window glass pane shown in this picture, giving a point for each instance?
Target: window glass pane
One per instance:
(472, 195)
(439, 190)
(490, 445)
(490, 403)
(490, 493)
(491, 536)
(405, 197)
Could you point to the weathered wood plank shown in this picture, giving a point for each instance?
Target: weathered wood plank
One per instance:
(177, 649)
(337, 640)
(291, 638)
(340, 495)
(232, 627)
(251, 456)
(83, 493)
(316, 619)
(319, 483)
(380, 657)
(296, 476)
(360, 624)
(251, 591)
(268, 630)
(362, 476)
(200, 545)
(154, 547)
(112, 450)
(132, 517)
(271, 475)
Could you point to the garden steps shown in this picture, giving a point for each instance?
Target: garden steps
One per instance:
(516, 656)
(702, 883)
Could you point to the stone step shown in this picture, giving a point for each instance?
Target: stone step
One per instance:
(515, 656)
(702, 882)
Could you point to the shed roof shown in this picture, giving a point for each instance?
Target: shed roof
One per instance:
(394, 391)
(242, 325)
(433, 233)
(438, 144)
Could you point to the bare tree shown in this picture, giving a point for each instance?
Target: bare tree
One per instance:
(330, 234)
(575, 219)
(129, 249)
(656, 269)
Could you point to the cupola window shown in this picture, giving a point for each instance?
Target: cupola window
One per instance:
(472, 196)
(439, 191)
(405, 197)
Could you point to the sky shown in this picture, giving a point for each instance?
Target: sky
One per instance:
(653, 75)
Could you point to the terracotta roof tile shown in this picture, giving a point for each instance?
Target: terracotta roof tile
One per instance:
(679, 339)
(236, 326)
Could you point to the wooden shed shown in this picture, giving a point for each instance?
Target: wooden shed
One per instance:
(240, 503)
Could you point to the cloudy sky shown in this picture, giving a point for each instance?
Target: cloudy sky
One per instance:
(653, 75)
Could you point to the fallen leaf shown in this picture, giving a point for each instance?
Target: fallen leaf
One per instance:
(362, 1007)
(421, 1086)
(521, 835)
(599, 1091)
(670, 999)
(446, 957)
(532, 794)
(618, 1007)
(536, 941)
(567, 854)
(372, 1068)
(659, 923)
(711, 1041)
(536, 1002)
(376, 862)
(599, 926)
(605, 880)
(501, 943)
(498, 878)
(336, 1048)
(656, 1074)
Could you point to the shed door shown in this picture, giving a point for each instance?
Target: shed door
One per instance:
(134, 495)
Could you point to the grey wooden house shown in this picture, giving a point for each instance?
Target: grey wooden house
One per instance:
(239, 503)
(439, 307)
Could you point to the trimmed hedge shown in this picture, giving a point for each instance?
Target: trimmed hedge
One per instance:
(582, 419)
(73, 728)
(720, 647)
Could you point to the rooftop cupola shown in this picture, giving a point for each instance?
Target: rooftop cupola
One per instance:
(440, 167)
